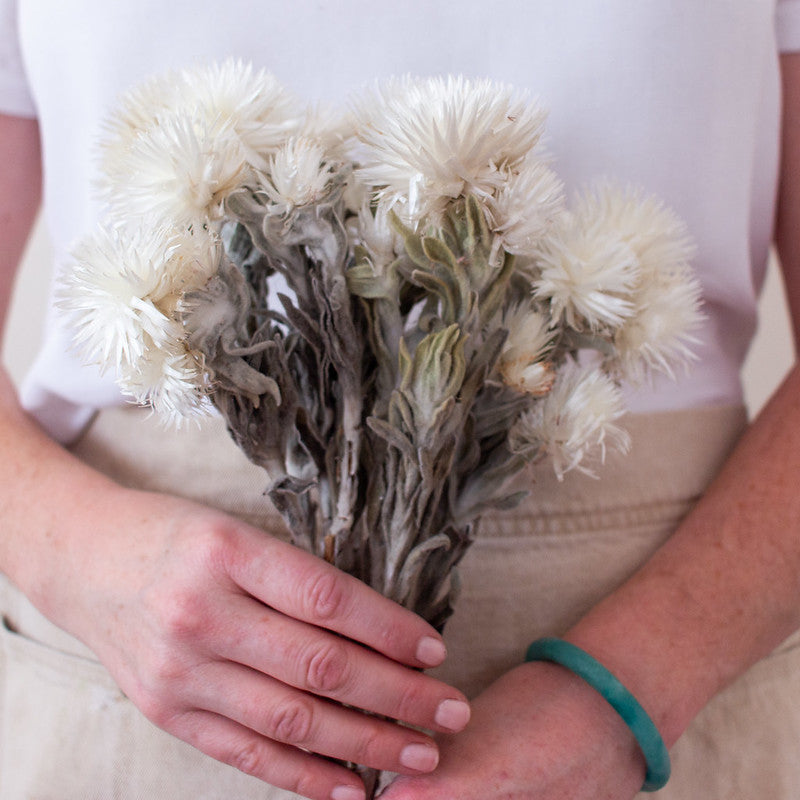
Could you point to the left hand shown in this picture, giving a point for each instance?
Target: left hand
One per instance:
(538, 733)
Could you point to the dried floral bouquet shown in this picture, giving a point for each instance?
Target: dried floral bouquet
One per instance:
(394, 311)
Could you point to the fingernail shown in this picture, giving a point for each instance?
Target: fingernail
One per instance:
(452, 715)
(431, 652)
(419, 757)
(348, 793)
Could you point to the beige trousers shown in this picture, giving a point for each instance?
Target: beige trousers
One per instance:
(68, 733)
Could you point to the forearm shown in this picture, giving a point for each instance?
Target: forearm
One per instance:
(46, 493)
(723, 591)
(20, 194)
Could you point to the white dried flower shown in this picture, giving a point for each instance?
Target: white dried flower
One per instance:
(667, 298)
(181, 171)
(124, 285)
(522, 363)
(300, 174)
(574, 424)
(659, 335)
(373, 231)
(588, 273)
(182, 142)
(251, 102)
(430, 140)
(169, 378)
(526, 206)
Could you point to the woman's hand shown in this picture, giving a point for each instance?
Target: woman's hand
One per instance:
(538, 733)
(253, 651)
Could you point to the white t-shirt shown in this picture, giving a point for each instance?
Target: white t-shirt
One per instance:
(679, 97)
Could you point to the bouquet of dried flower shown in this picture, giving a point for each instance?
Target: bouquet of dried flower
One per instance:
(394, 311)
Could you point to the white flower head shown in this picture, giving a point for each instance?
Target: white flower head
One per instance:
(300, 174)
(588, 273)
(124, 285)
(667, 300)
(523, 362)
(169, 378)
(373, 231)
(574, 424)
(182, 142)
(180, 171)
(251, 102)
(619, 265)
(426, 141)
(526, 206)
(660, 334)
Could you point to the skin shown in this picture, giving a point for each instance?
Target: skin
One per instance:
(177, 584)
(721, 593)
(241, 645)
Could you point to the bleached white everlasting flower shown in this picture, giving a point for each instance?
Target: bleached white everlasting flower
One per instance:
(667, 298)
(523, 364)
(181, 171)
(232, 93)
(252, 102)
(182, 142)
(526, 207)
(373, 231)
(429, 140)
(170, 379)
(300, 174)
(123, 285)
(574, 423)
(660, 334)
(588, 273)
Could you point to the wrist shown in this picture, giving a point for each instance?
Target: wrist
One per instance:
(612, 690)
(590, 728)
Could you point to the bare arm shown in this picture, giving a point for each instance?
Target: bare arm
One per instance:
(21, 193)
(223, 636)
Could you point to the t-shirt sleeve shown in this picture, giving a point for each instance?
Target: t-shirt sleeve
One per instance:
(788, 25)
(15, 94)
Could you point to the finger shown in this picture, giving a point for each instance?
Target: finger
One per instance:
(305, 587)
(277, 764)
(327, 665)
(296, 718)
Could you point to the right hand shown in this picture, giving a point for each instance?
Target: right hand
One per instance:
(255, 652)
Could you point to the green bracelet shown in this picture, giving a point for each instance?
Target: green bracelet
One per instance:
(621, 700)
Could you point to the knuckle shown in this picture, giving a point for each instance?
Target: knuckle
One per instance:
(182, 616)
(156, 708)
(325, 595)
(215, 547)
(410, 700)
(291, 722)
(250, 759)
(326, 668)
(304, 784)
(370, 749)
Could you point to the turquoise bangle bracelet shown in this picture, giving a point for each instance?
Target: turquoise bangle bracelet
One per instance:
(621, 700)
